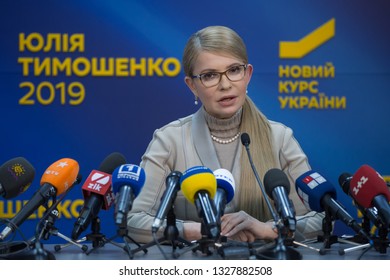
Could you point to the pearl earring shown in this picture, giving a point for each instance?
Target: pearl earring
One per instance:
(196, 101)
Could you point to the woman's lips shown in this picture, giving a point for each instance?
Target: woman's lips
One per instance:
(227, 100)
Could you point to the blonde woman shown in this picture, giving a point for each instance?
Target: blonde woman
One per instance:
(217, 72)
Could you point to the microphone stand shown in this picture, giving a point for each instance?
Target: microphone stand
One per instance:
(279, 249)
(49, 229)
(48, 226)
(328, 238)
(123, 232)
(171, 235)
(202, 244)
(99, 240)
(380, 243)
(35, 250)
(359, 239)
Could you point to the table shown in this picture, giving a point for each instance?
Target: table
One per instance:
(117, 252)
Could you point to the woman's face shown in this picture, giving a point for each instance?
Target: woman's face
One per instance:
(225, 98)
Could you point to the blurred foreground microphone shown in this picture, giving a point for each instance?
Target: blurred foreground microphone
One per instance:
(318, 195)
(198, 185)
(277, 186)
(369, 189)
(127, 181)
(172, 183)
(97, 192)
(57, 178)
(16, 175)
(225, 191)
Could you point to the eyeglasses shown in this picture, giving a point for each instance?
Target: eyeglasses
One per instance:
(234, 74)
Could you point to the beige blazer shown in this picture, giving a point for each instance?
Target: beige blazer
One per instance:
(186, 143)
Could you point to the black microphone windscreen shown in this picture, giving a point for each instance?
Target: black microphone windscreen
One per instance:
(245, 140)
(275, 178)
(344, 182)
(111, 162)
(79, 178)
(16, 175)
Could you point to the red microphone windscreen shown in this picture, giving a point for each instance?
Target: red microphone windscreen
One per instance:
(366, 183)
(100, 183)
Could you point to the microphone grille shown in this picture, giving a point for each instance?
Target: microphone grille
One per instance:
(245, 140)
(344, 182)
(275, 178)
(111, 162)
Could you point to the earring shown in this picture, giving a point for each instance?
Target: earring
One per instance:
(196, 101)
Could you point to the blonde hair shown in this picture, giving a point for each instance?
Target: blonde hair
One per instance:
(221, 39)
(251, 198)
(214, 39)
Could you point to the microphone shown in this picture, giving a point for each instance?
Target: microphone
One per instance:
(225, 191)
(245, 140)
(318, 194)
(57, 178)
(277, 186)
(370, 213)
(51, 215)
(198, 185)
(16, 176)
(278, 249)
(172, 183)
(369, 189)
(97, 192)
(127, 180)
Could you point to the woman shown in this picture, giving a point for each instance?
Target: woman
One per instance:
(218, 74)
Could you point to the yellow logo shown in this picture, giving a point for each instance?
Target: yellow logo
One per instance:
(18, 169)
(310, 42)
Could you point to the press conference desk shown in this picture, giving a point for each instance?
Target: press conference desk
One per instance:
(112, 252)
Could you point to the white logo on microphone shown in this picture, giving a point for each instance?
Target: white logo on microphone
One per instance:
(129, 171)
(313, 180)
(97, 180)
(360, 184)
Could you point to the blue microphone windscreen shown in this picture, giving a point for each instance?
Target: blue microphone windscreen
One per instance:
(311, 188)
(129, 175)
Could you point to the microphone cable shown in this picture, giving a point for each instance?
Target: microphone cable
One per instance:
(17, 230)
(154, 234)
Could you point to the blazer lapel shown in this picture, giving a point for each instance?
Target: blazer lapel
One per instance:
(202, 141)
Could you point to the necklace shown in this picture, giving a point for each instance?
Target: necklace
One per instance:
(225, 141)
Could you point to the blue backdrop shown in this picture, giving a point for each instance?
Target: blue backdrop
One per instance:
(341, 120)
